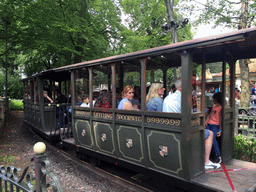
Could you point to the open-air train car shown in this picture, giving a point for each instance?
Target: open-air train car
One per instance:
(167, 143)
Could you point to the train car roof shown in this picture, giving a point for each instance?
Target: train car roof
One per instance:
(236, 45)
(239, 44)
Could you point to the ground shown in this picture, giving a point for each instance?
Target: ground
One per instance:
(16, 149)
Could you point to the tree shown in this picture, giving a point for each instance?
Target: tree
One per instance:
(48, 34)
(237, 14)
(144, 21)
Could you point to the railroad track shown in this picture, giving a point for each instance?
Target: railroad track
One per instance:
(100, 172)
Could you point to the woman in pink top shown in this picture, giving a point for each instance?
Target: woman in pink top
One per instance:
(213, 123)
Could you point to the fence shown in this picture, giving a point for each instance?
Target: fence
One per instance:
(34, 178)
(246, 121)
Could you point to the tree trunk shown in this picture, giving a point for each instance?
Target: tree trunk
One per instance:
(244, 74)
(245, 92)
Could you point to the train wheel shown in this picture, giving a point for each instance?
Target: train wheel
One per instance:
(79, 155)
(94, 161)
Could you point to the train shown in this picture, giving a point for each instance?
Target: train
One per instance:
(169, 144)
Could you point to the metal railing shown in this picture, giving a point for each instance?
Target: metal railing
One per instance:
(34, 177)
(246, 121)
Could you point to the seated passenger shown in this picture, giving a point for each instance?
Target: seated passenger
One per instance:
(136, 105)
(47, 99)
(154, 97)
(86, 101)
(127, 95)
(172, 103)
(60, 97)
(105, 100)
(79, 101)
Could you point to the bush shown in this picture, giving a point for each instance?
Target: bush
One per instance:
(16, 105)
(244, 148)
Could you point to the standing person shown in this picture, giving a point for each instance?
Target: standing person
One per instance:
(47, 99)
(172, 103)
(127, 95)
(208, 147)
(154, 97)
(213, 123)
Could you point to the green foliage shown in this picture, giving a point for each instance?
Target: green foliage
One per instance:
(14, 85)
(144, 25)
(16, 105)
(49, 34)
(244, 147)
(7, 159)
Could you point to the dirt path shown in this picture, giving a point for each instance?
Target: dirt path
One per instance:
(16, 149)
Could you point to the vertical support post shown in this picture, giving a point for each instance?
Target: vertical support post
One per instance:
(41, 102)
(203, 83)
(165, 82)
(109, 82)
(186, 106)
(113, 70)
(121, 82)
(143, 84)
(73, 96)
(90, 86)
(39, 158)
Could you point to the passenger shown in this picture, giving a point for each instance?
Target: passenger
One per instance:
(213, 123)
(105, 100)
(60, 97)
(154, 97)
(47, 99)
(137, 94)
(136, 105)
(127, 96)
(79, 101)
(172, 103)
(86, 101)
(208, 147)
(172, 90)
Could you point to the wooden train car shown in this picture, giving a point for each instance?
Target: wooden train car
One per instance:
(160, 142)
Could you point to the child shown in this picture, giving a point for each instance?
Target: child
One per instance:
(213, 123)
(86, 101)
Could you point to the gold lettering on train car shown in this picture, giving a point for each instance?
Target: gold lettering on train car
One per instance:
(163, 121)
(103, 115)
(128, 118)
(84, 113)
(195, 122)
